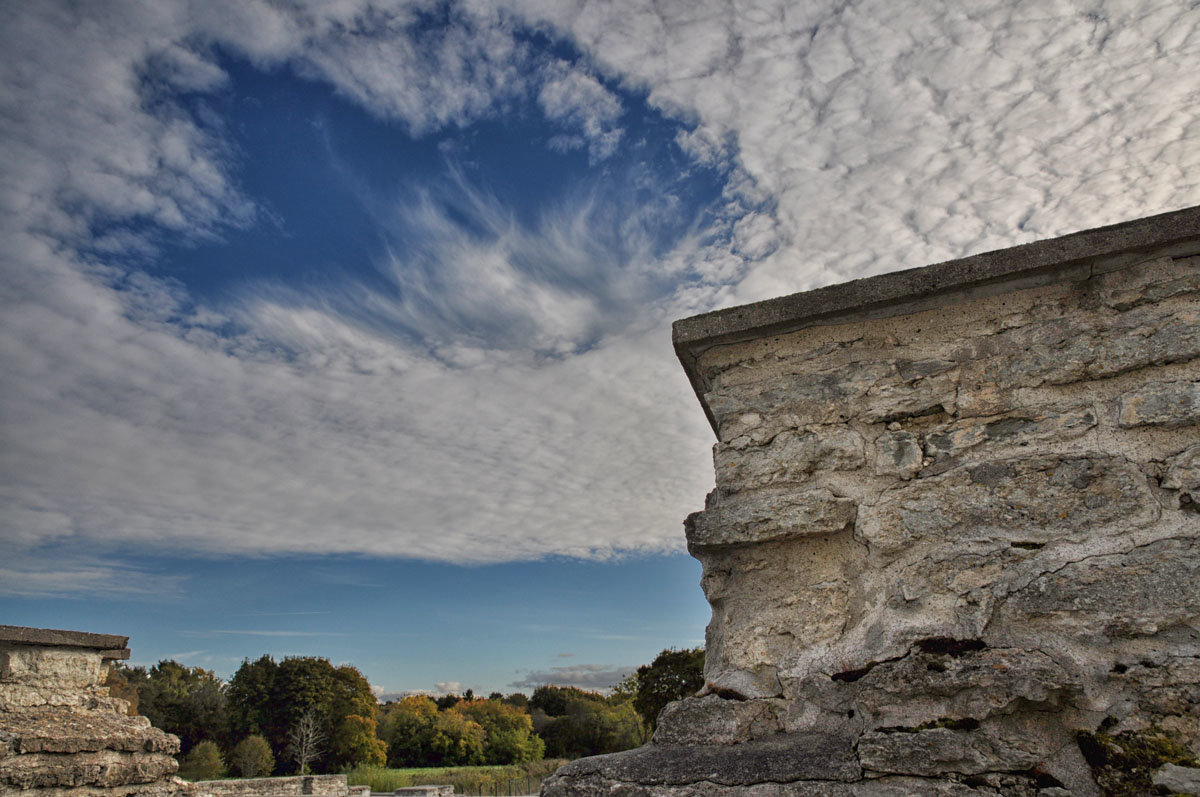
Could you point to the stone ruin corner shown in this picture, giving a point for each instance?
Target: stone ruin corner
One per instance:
(954, 542)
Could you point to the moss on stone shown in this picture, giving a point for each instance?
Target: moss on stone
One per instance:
(1124, 763)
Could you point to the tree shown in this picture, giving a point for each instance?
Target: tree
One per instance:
(204, 762)
(457, 741)
(252, 758)
(189, 702)
(509, 731)
(305, 740)
(672, 675)
(355, 743)
(407, 727)
(271, 698)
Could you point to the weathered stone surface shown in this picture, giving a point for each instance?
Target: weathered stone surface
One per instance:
(103, 769)
(714, 720)
(765, 515)
(66, 731)
(50, 667)
(788, 458)
(1183, 472)
(978, 439)
(875, 392)
(1160, 404)
(1039, 500)
(1133, 594)
(1150, 282)
(1177, 779)
(780, 758)
(766, 597)
(898, 453)
(956, 529)
(927, 687)
(1063, 351)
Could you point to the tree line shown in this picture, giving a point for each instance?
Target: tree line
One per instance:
(302, 714)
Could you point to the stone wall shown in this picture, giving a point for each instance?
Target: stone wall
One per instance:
(63, 735)
(60, 731)
(954, 545)
(295, 786)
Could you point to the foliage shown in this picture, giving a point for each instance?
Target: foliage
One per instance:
(189, 702)
(672, 675)
(355, 742)
(270, 698)
(457, 740)
(509, 731)
(252, 757)
(407, 728)
(590, 725)
(204, 762)
(524, 779)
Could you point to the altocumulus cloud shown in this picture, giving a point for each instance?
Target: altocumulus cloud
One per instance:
(853, 138)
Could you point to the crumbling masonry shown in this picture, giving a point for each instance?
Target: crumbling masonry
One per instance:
(954, 544)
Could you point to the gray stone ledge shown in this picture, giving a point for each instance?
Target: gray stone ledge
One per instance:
(782, 758)
(111, 646)
(1073, 257)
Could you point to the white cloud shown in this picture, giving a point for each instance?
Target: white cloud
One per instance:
(572, 96)
(856, 138)
(591, 677)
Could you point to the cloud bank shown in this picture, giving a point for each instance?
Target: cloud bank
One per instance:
(533, 406)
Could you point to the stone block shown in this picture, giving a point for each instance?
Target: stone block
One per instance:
(1167, 404)
(898, 453)
(780, 759)
(790, 457)
(1151, 282)
(715, 720)
(1138, 593)
(1067, 350)
(979, 439)
(1176, 779)
(1037, 500)
(764, 515)
(923, 687)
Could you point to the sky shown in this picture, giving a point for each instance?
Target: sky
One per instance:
(343, 328)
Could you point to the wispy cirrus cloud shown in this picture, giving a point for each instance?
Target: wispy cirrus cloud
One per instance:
(513, 394)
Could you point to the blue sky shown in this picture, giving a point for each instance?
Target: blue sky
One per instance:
(342, 328)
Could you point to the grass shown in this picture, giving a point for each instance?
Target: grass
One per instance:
(515, 778)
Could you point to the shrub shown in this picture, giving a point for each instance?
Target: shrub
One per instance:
(204, 762)
(252, 758)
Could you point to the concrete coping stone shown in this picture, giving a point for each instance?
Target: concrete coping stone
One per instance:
(110, 646)
(1065, 259)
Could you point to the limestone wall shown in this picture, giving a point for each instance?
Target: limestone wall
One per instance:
(60, 731)
(954, 544)
(63, 735)
(295, 786)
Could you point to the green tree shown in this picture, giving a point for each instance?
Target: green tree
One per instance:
(189, 702)
(250, 694)
(509, 731)
(252, 757)
(672, 675)
(407, 727)
(587, 723)
(457, 741)
(272, 698)
(204, 762)
(355, 743)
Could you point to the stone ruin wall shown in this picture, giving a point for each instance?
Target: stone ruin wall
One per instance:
(955, 538)
(63, 735)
